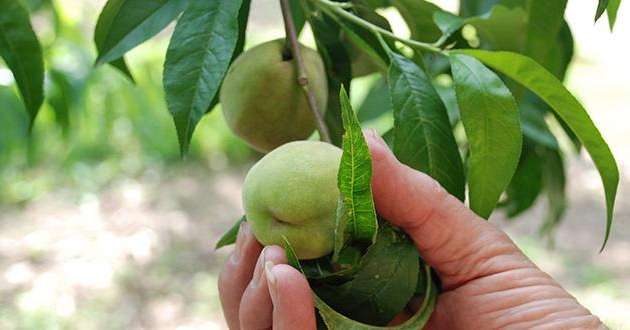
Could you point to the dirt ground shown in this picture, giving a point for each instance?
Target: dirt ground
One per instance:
(139, 255)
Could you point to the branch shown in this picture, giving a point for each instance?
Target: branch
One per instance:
(338, 8)
(302, 78)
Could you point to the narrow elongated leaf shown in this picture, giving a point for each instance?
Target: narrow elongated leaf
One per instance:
(61, 97)
(341, 222)
(491, 121)
(124, 24)
(297, 12)
(383, 285)
(544, 84)
(198, 57)
(527, 183)
(229, 237)
(534, 125)
(355, 174)
(423, 138)
(612, 10)
(22, 53)
(243, 20)
(555, 189)
(545, 21)
(376, 103)
(601, 8)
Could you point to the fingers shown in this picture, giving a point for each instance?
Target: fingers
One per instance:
(237, 273)
(256, 308)
(292, 300)
(451, 238)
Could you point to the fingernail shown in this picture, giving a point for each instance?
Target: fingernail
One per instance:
(271, 279)
(260, 268)
(241, 239)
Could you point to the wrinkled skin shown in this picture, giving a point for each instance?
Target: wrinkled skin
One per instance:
(262, 101)
(293, 192)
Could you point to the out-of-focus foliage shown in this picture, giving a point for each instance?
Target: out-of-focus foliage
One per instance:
(95, 124)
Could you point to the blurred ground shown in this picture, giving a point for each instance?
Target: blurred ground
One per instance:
(136, 253)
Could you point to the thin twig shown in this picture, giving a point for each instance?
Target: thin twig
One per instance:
(302, 78)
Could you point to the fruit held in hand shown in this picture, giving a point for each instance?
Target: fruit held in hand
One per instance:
(293, 192)
(262, 101)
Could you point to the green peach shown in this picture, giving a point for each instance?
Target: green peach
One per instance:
(292, 192)
(262, 101)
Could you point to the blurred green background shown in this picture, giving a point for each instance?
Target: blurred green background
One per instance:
(102, 226)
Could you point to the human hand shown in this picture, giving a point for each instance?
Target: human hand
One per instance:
(488, 283)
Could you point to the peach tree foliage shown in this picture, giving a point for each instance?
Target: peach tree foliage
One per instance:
(495, 68)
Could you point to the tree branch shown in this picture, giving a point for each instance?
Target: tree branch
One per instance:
(302, 78)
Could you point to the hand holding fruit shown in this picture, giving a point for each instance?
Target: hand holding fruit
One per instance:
(487, 282)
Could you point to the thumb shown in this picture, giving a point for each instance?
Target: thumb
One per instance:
(457, 243)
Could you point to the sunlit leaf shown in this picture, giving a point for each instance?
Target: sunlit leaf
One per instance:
(423, 138)
(544, 84)
(355, 174)
(197, 60)
(491, 120)
(125, 24)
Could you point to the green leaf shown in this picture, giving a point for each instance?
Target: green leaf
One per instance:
(229, 237)
(22, 53)
(338, 69)
(544, 84)
(469, 8)
(601, 8)
(61, 98)
(612, 9)
(297, 12)
(545, 21)
(527, 183)
(121, 65)
(448, 23)
(555, 189)
(335, 320)
(503, 28)
(341, 222)
(491, 121)
(243, 20)
(355, 174)
(418, 14)
(423, 138)
(125, 24)
(197, 60)
(383, 285)
(376, 103)
(534, 125)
